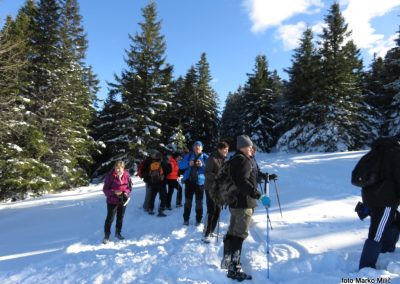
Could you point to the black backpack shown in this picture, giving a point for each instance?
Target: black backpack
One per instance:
(225, 186)
(368, 171)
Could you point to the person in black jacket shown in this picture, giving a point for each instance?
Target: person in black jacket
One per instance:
(213, 165)
(155, 172)
(241, 211)
(383, 199)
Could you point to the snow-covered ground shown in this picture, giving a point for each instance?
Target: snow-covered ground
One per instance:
(57, 238)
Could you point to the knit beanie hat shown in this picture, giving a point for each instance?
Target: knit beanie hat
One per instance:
(198, 143)
(243, 141)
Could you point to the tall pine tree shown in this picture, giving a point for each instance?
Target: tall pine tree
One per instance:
(258, 109)
(392, 89)
(143, 89)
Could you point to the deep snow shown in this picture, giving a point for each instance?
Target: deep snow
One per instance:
(57, 238)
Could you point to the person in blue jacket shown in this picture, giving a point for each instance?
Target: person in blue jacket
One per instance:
(193, 164)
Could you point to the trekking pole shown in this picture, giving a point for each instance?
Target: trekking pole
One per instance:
(277, 197)
(266, 192)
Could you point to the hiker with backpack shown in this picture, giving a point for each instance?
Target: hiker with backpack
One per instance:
(242, 208)
(172, 181)
(213, 165)
(193, 165)
(155, 172)
(117, 188)
(378, 173)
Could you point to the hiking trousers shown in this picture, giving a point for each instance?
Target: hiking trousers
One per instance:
(239, 223)
(112, 210)
(213, 212)
(193, 189)
(172, 184)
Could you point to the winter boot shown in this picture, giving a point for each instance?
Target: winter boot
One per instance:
(161, 214)
(226, 258)
(106, 240)
(235, 270)
(370, 254)
(119, 236)
(390, 238)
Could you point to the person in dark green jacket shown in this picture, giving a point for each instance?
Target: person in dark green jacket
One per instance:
(244, 178)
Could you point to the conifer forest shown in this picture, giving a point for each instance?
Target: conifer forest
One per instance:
(55, 134)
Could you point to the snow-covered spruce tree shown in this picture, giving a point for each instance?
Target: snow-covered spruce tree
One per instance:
(231, 122)
(374, 92)
(258, 108)
(143, 88)
(22, 143)
(392, 89)
(340, 120)
(346, 121)
(112, 126)
(78, 92)
(188, 98)
(206, 119)
(301, 91)
(172, 118)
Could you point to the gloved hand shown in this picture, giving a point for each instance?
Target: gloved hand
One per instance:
(272, 177)
(257, 195)
(266, 201)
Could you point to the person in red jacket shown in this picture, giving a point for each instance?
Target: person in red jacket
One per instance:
(117, 188)
(172, 181)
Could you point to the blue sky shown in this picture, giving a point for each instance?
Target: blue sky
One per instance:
(231, 32)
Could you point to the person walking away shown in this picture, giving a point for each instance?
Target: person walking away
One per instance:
(383, 199)
(242, 209)
(213, 165)
(193, 165)
(117, 190)
(155, 175)
(172, 181)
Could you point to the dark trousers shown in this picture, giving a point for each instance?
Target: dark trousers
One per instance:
(160, 189)
(172, 184)
(383, 235)
(198, 191)
(381, 220)
(213, 212)
(113, 209)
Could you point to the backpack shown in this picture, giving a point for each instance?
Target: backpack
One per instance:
(156, 172)
(367, 171)
(226, 189)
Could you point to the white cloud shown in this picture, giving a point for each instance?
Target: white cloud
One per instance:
(268, 13)
(290, 34)
(358, 15)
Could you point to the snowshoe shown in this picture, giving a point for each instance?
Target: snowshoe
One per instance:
(161, 214)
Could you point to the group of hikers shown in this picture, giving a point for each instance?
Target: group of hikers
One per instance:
(200, 171)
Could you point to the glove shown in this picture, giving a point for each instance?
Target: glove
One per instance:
(266, 201)
(272, 177)
(362, 210)
(257, 195)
